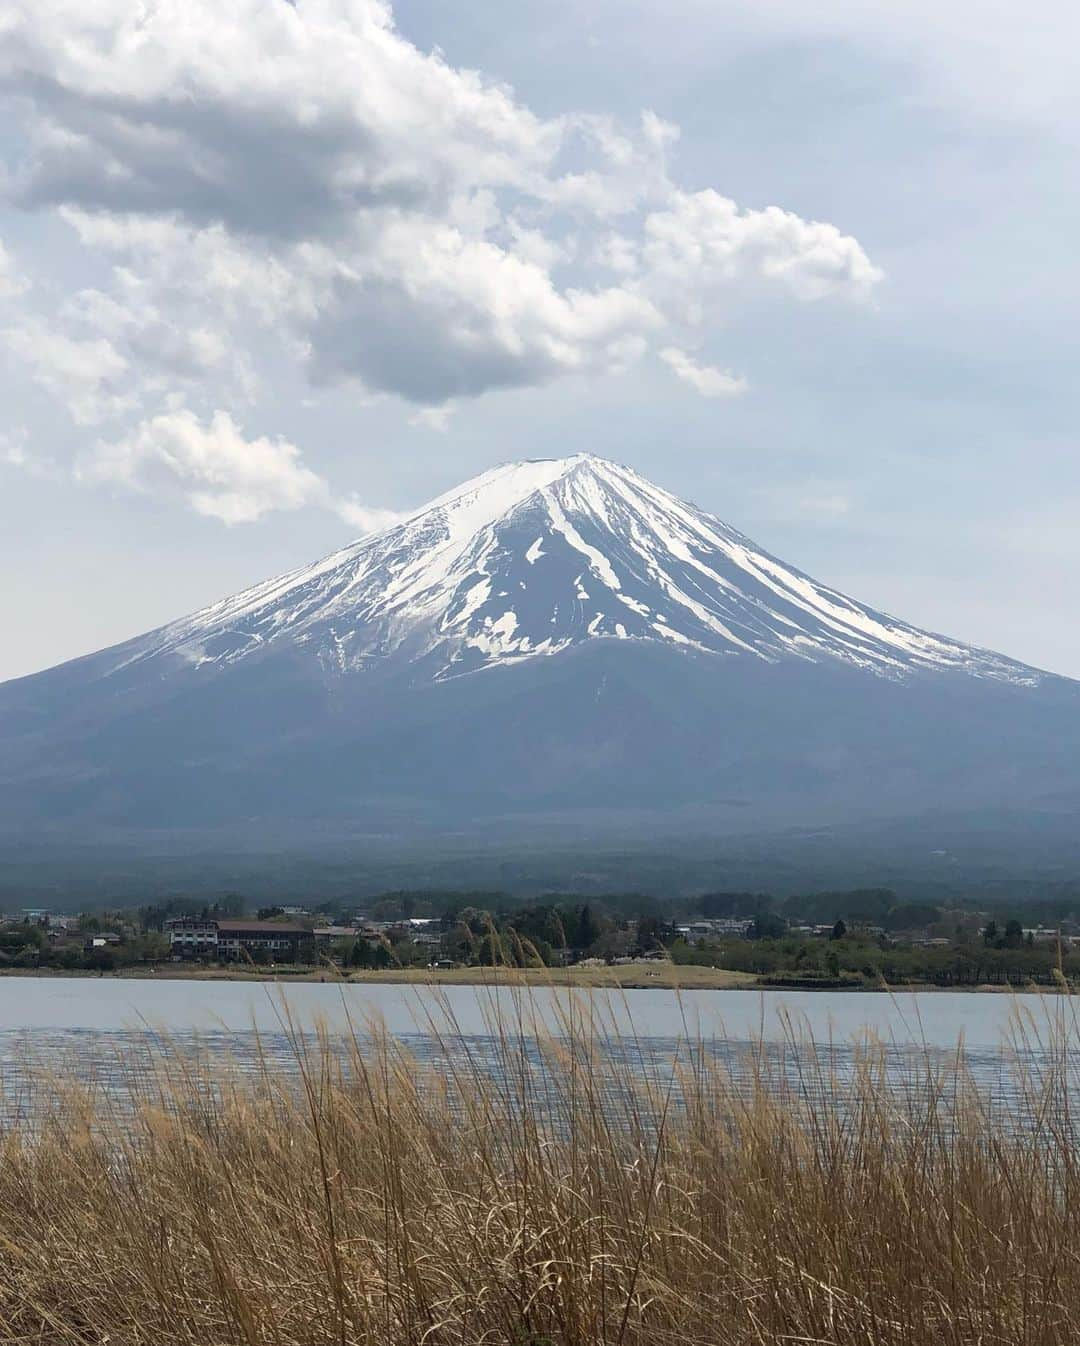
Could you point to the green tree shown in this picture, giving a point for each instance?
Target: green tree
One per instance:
(912, 916)
(589, 928)
(767, 925)
(653, 933)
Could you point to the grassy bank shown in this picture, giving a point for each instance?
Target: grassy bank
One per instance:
(648, 975)
(621, 977)
(547, 1197)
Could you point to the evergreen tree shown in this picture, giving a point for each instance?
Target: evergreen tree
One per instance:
(588, 928)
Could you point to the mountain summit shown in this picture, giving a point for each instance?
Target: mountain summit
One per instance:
(554, 647)
(533, 558)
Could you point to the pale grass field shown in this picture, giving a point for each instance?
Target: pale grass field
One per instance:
(541, 1200)
(654, 973)
(648, 973)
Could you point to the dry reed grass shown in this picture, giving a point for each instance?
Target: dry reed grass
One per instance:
(542, 1196)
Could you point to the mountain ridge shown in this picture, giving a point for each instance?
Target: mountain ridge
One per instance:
(529, 558)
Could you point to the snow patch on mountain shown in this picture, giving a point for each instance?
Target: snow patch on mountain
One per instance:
(531, 558)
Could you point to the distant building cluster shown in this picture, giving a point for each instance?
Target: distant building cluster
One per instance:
(721, 928)
(229, 940)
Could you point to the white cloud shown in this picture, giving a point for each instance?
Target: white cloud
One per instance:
(824, 505)
(11, 282)
(366, 518)
(434, 418)
(807, 501)
(705, 379)
(156, 340)
(15, 454)
(105, 355)
(703, 243)
(89, 377)
(13, 451)
(227, 112)
(304, 172)
(431, 314)
(219, 472)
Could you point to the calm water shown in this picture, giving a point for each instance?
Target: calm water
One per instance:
(49, 1005)
(104, 1029)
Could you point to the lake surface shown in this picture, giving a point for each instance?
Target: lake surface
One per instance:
(108, 1029)
(39, 1005)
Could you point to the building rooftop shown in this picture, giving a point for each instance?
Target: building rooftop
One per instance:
(261, 927)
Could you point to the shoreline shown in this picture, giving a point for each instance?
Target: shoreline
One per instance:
(627, 977)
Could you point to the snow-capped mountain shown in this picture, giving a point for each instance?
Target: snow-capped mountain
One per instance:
(553, 645)
(532, 558)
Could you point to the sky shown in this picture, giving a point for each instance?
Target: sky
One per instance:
(271, 273)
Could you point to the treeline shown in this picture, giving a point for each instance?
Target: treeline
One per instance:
(882, 907)
(23, 945)
(875, 906)
(861, 960)
(542, 934)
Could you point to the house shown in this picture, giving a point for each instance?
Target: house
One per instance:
(717, 928)
(426, 930)
(102, 941)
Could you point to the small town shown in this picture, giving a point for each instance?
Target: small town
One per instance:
(873, 939)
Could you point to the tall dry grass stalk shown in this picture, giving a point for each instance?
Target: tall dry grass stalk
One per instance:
(536, 1192)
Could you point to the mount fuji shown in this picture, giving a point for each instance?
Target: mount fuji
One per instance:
(552, 644)
(534, 558)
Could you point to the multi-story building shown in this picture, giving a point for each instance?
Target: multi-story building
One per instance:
(192, 937)
(233, 940)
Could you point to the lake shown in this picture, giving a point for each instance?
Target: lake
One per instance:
(56, 1005)
(109, 1030)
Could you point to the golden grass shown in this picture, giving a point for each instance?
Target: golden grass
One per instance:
(626, 976)
(540, 1195)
